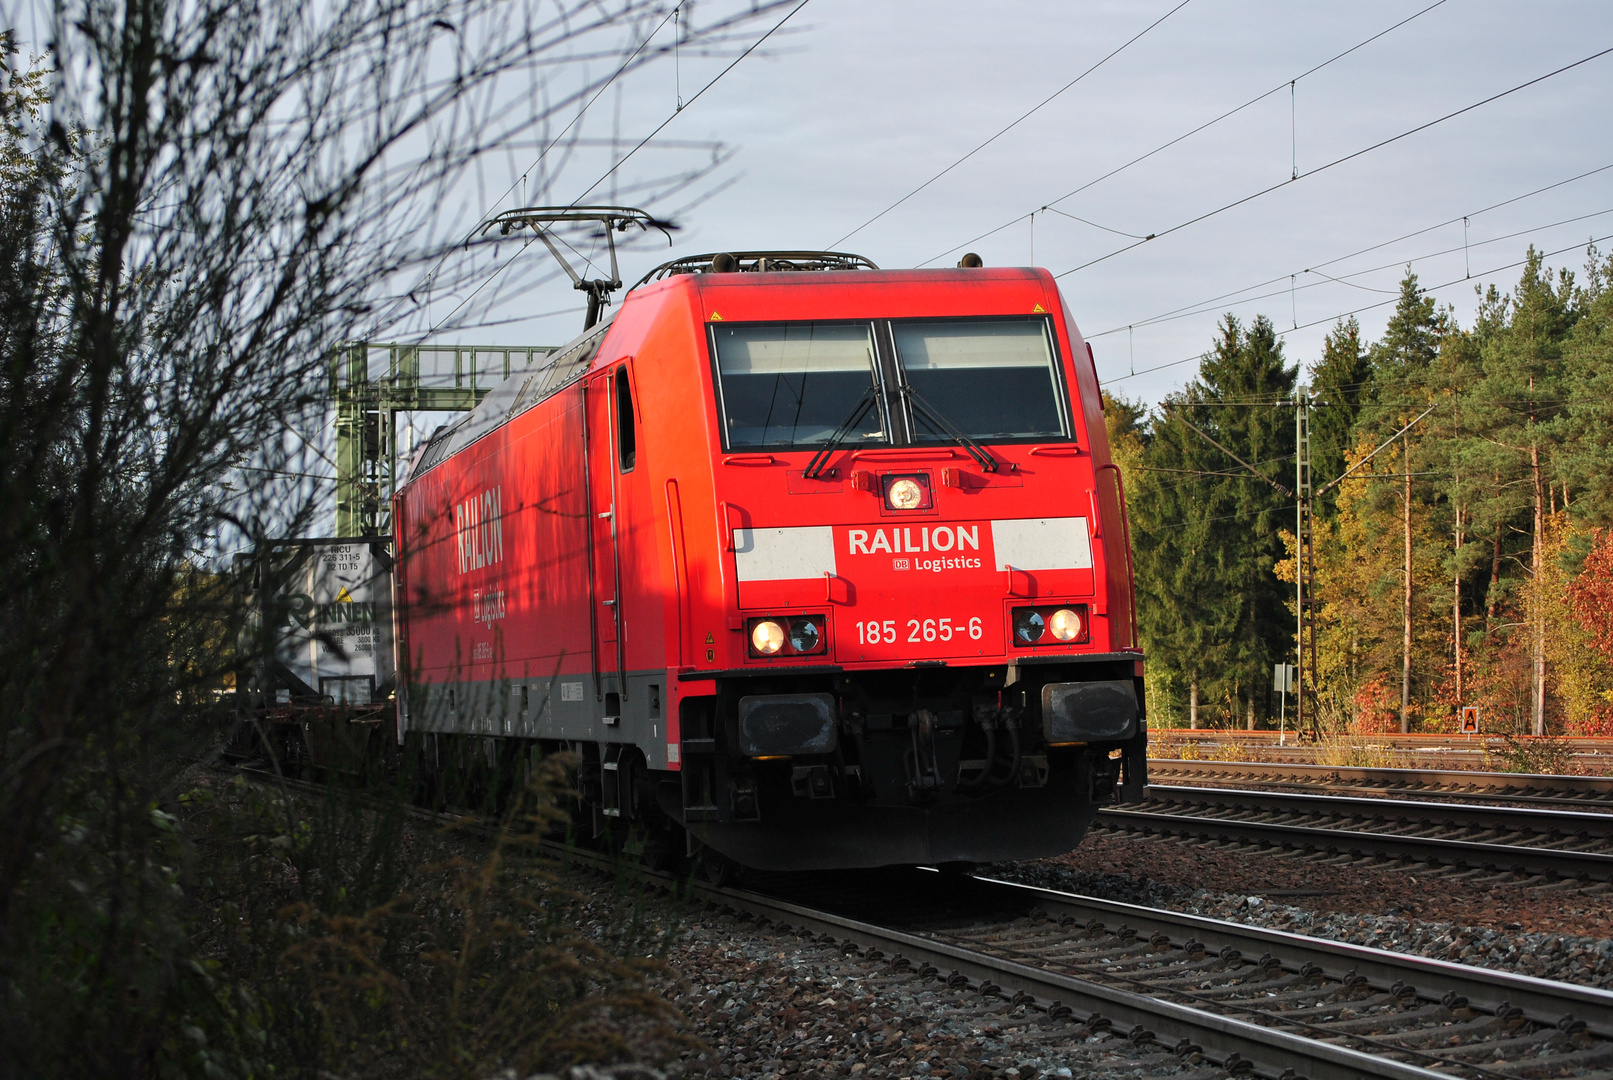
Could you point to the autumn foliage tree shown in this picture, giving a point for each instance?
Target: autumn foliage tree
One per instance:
(1590, 601)
(1465, 560)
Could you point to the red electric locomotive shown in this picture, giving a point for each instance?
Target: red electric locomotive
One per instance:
(813, 564)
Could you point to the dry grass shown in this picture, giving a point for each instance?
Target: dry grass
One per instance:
(1358, 752)
(381, 947)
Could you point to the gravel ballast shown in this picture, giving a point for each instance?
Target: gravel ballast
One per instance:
(769, 1006)
(1548, 931)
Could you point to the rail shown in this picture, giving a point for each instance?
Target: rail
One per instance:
(1463, 784)
(1147, 973)
(1512, 841)
(1306, 1007)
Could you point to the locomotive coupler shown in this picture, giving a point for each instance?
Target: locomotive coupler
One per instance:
(1010, 725)
(985, 716)
(926, 770)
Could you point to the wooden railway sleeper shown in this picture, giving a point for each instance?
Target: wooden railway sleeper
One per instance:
(1402, 1018)
(1465, 1031)
(1144, 965)
(1203, 965)
(1256, 991)
(1084, 965)
(1504, 1049)
(1574, 1062)
(1314, 1001)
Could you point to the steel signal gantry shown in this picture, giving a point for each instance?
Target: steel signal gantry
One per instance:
(371, 382)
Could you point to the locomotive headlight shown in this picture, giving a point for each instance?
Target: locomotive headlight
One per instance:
(1029, 625)
(1065, 624)
(804, 635)
(904, 494)
(788, 635)
(767, 637)
(1050, 625)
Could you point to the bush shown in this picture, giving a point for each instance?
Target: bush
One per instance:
(332, 933)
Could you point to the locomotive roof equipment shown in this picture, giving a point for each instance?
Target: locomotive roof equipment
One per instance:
(612, 220)
(758, 262)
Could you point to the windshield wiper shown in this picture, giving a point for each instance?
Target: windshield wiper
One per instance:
(821, 458)
(976, 451)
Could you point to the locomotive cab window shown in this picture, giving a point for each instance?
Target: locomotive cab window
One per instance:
(626, 443)
(991, 379)
(797, 384)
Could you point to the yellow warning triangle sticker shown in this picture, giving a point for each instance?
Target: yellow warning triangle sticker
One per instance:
(1038, 310)
(716, 317)
(344, 597)
(709, 639)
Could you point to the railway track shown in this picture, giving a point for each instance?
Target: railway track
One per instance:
(1556, 844)
(1580, 792)
(1194, 995)
(1443, 753)
(1195, 990)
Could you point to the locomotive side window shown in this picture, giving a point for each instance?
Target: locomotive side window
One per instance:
(626, 441)
(992, 379)
(796, 384)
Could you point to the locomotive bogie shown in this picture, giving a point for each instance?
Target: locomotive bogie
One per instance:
(826, 569)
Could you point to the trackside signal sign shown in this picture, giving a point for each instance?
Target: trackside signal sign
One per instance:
(1470, 720)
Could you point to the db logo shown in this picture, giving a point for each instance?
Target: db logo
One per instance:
(901, 564)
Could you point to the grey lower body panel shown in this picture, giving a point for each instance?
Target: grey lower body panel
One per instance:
(563, 708)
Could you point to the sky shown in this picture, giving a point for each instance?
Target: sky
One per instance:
(854, 104)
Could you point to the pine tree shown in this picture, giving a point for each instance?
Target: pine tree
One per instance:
(1519, 413)
(1342, 381)
(1458, 489)
(1587, 445)
(1170, 540)
(1209, 529)
(1402, 370)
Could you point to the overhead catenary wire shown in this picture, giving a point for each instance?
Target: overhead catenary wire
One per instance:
(1015, 123)
(1207, 437)
(1390, 441)
(603, 86)
(1223, 301)
(1369, 307)
(752, 47)
(520, 182)
(1380, 144)
(623, 160)
(1362, 251)
(1282, 508)
(1289, 83)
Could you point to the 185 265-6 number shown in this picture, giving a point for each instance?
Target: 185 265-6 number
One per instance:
(885, 632)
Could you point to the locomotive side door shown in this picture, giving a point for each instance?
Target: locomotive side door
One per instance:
(611, 451)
